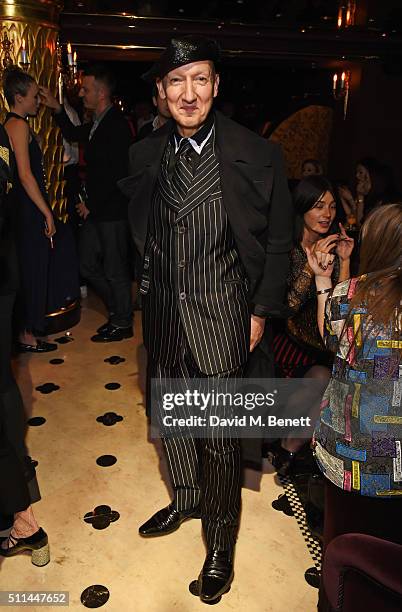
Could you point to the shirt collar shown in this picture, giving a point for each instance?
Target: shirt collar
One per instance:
(200, 138)
(98, 118)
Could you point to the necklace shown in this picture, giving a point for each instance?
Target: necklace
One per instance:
(12, 113)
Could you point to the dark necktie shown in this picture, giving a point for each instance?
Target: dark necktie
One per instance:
(182, 174)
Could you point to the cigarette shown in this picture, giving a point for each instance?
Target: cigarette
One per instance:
(51, 242)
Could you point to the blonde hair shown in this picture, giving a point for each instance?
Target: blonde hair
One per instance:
(381, 260)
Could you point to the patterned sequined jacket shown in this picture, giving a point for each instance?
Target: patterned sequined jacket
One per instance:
(358, 439)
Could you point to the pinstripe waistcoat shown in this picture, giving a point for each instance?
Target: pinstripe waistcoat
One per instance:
(194, 282)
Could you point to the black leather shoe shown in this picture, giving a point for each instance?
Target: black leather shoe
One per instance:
(40, 347)
(216, 576)
(166, 521)
(103, 328)
(113, 334)
(283, 461)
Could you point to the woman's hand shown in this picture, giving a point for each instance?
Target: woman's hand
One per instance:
(348, 202)
(322, 264)
(363, 187)
(345, 245)
(323, 282)
(346, 195)
(324, 247)
(50, 228)
(327, 244)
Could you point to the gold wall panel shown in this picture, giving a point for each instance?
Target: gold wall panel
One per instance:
(45, 12)
(305, 135)
(36, 21)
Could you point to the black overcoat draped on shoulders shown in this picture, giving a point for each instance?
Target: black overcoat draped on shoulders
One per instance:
(255, 196)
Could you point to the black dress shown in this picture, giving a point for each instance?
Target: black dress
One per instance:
(299, 346)
(14, 473)
(33, 247)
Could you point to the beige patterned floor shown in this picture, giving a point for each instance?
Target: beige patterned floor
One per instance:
(141, 575)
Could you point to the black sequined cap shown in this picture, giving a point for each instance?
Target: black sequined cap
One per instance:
(182, 51)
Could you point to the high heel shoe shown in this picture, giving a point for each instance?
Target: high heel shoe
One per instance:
(37, 543)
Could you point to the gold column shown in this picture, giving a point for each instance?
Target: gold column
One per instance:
(37, 21)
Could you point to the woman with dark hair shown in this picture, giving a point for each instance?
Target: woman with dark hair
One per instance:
(358, 437)
(373, 186)
(35, 223)
(311, 167)
(299, 351)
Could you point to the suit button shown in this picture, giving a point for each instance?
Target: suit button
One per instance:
(181, 263)
(182, 230)
(182, 295)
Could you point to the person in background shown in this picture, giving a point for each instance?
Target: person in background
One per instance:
(373, 186)
(17, 481)
(71, 169)
(25, 533)
(311, 167)
(143, 115)
(104, 235)
(228, 108)
(162, 115)
(357, 442)
(298, 350)
(35, 224)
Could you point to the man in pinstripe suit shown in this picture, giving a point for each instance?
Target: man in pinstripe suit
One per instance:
(211, 213)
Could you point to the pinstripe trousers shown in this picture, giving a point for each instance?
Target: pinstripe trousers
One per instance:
(204, 472)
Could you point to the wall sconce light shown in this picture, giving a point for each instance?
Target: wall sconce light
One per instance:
(340, 88)
(24, 61)
(7, 48)
(346, 14)
(69, 76)
(69, 55)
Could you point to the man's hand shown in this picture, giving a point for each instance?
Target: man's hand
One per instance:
(256, 331)
(49, 100)
(82, 210)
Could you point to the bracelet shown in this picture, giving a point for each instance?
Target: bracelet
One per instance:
(324, 291)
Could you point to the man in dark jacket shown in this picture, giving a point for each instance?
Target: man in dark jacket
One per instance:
(104, 240)
(211, 213)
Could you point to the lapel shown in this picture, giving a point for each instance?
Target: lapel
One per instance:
(101, 130)
(145, 161)
(246, 175)
(169, 193)
(205, 182)
(246, 161)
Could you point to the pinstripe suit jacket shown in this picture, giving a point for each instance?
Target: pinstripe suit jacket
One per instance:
(255, 197)
(193, 282)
